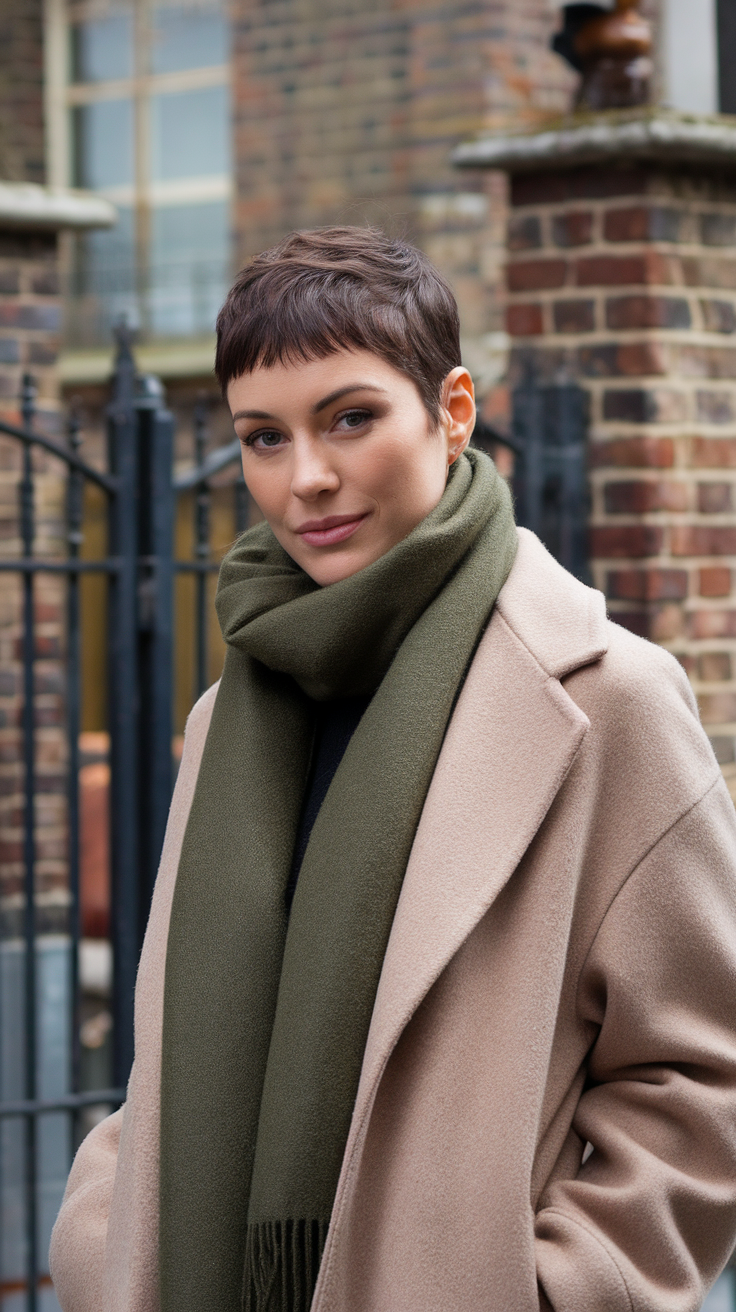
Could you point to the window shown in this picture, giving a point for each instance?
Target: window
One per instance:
(144, 86)
(690, 56)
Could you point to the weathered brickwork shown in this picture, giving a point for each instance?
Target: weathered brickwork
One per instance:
(21, 91)
(29, 324)
(625, 279)
(346, 112)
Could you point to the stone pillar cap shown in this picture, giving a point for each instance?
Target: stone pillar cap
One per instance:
(651, 134)
(27, 205)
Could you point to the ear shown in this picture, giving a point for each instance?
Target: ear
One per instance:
(458, 404)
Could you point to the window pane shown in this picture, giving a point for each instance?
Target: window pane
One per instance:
(190, 134)
(103, 285)
(103, 144)
(188, 36)
(102, 49)
(189, 267)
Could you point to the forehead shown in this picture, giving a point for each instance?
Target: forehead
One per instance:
(303, 384)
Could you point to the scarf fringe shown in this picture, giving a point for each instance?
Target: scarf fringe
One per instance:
(282, 1260)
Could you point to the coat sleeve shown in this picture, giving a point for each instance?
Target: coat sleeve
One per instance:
(81, 1227)
(650, 1219)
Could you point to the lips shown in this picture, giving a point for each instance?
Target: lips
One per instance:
(333, 529)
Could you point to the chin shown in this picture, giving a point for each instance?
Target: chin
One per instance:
(334, 570)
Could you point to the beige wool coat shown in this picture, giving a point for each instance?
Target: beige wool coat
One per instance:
(546, 1114)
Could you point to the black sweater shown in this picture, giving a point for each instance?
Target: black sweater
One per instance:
(335, 724)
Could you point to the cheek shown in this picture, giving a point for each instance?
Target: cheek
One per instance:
(408, 481)
(266, 483)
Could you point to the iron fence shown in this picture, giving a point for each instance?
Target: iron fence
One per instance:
(42, 1099)
(549, 438)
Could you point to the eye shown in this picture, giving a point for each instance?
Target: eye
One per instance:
(354, 418)
(267, 439)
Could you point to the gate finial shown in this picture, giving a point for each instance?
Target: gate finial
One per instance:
(124, 372)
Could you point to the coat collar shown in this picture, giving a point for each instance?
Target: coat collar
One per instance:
(509, 746)
(562, 622)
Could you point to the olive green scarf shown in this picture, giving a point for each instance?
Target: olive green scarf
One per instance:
(266, 1016)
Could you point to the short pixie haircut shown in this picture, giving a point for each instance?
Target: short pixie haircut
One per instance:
(329, 289)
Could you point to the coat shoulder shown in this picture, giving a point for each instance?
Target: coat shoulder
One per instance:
(638, 700)
(644, 718)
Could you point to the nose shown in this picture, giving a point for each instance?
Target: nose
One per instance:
(312, 470)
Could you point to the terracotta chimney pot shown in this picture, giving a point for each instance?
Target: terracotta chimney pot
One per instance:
(614, 51)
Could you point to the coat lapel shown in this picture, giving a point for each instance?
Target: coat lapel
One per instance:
(510, 744)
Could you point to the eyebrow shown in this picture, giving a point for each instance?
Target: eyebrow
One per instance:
(321, 405)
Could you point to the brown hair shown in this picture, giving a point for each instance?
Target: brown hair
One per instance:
(334, 288)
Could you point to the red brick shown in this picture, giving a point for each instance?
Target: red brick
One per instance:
(691, 359)
(573, 229)
(536, 275)
(714, 667)
(610, 270)
(524, 233)
(647, 585)
(9, 282)
(640, 496)
(703, 540)
(636, 621)
(625, 541)
(704, 625)
(714, 407)
(596, 182)
(714, 498)
(714, 582)
(625, 312)
(643, 223)
(659, 622)
(649, 268)
(717, 707)
(630, 224)
(641, 359)
(574, 316)
(718, 229)
(624, 360)
(635, 453)
(710, 271)
(524, 320)
(713, 453)
(645, 406)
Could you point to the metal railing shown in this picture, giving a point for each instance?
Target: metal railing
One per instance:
(550, 442)
(42, 1098)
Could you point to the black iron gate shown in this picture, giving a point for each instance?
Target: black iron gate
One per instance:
(43, 1100)
(550, 431)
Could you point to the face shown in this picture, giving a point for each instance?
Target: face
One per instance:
(342, 457)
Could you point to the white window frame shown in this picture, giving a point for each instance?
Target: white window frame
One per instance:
(62, 95)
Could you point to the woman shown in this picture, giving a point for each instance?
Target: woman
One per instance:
(436, 1005)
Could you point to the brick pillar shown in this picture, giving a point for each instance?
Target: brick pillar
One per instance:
(622, 277)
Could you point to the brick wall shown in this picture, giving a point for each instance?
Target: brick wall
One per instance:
(29, 321)
(21, 91)
(625, 280)
(348, 113)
